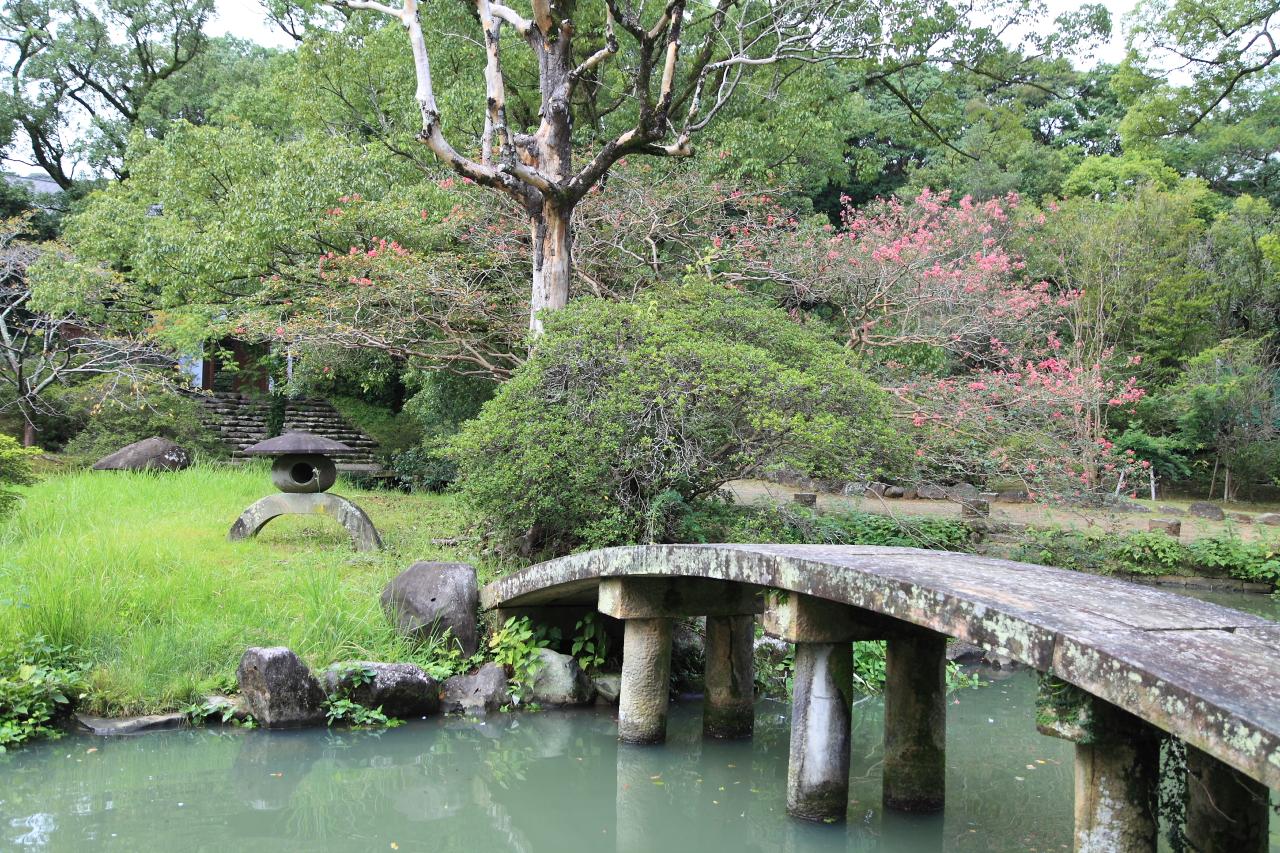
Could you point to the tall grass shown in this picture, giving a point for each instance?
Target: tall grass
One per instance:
(135, 570)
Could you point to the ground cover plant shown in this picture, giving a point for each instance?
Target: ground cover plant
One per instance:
(133, 571)
(1144, 553)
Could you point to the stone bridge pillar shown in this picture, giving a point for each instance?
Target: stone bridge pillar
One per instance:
(821, 701)
(647, 605)
(915, 706)
(915, 721)
(728, 699)
(1226, 810)
(1117, 769)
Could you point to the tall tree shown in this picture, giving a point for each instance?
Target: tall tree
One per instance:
(81, 73)
(1227, 48)
(682, 62)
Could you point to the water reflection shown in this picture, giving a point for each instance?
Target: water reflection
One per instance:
(554, 781)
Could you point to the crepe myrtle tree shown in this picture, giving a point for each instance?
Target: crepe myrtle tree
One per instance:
(686, 60)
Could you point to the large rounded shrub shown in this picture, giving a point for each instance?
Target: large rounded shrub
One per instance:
(628, 414)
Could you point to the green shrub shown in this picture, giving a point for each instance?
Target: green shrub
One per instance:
(628, 415)
(791, 524)
(1145, 553)
(1066, 549)
(116, 423)
(15, 470)
(424, 468)
(1250, 561)
(515, 646)
(38, 684)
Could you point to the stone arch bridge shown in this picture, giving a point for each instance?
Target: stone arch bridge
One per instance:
(1125, 663)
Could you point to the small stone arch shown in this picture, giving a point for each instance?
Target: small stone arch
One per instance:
(363, 534)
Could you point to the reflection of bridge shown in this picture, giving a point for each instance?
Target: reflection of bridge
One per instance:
(1129, 661)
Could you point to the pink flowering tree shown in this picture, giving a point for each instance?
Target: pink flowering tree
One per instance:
(1000, 374)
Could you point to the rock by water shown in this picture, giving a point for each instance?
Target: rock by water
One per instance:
(560, 680)
(279, 690)
(481, 692)
(428, 598)
(399, 689)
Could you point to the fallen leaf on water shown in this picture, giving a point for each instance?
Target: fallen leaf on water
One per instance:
(395, 846)
(91, 750)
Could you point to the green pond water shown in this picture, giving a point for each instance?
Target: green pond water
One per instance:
(555, 781)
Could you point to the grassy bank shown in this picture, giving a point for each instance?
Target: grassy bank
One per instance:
(135, 571)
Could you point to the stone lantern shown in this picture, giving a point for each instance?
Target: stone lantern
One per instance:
(304, 471)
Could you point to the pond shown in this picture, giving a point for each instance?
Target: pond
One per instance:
(554, 781)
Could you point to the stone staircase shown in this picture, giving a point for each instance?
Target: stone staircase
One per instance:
(242, 421)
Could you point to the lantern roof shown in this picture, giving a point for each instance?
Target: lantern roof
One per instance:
(297, 442)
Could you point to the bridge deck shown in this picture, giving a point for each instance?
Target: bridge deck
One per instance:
(1205, 673)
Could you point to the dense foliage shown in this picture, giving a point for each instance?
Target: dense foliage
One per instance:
(1063, 273)
(110, 425)
(628, 413)
(39, 683)
(15, 470)
(1150, 553)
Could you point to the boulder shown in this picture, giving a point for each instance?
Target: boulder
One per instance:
(876, 489)
(1241, 517)
(963, 492)
(608, 687)
(150, 454)
(430, 598)
(1170, 526)
(809, 499)
(560, 680)
(480, 692)
(1269, 518)
(909, 493)
(894, 491)
(931, 492)
(1165, 509)
(400, 689)
(278, 689)
(1204, 509)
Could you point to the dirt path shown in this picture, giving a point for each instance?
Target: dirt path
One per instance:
(1040, 515)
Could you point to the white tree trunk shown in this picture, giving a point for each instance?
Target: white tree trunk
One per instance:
(552, 235)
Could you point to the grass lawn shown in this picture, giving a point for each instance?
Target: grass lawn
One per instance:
(135, 570)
